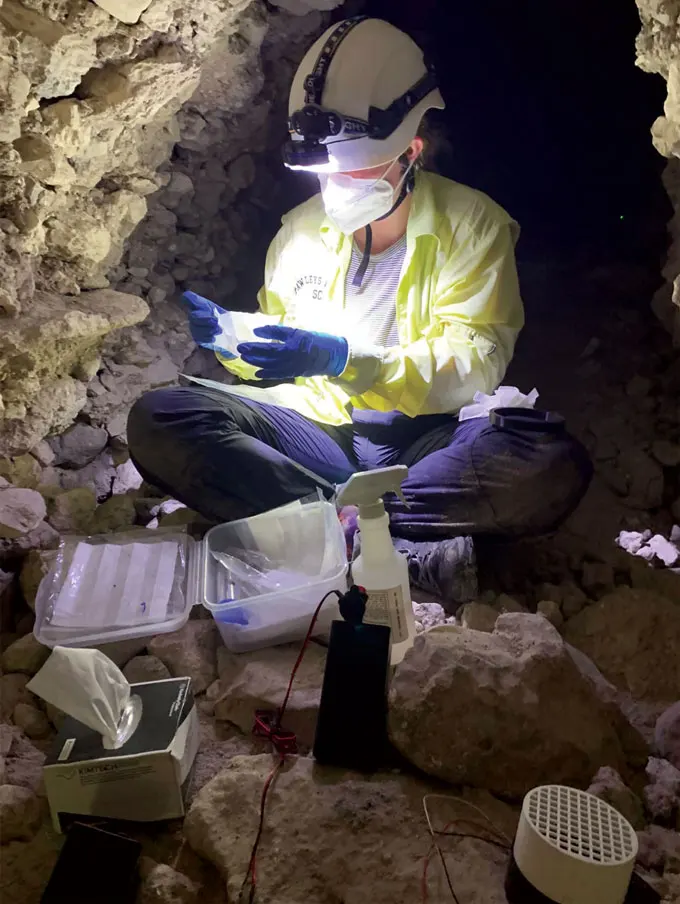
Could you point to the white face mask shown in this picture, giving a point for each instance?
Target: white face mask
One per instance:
(354, 203)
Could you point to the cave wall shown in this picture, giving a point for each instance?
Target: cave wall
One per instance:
(99, 229)
(658, 52)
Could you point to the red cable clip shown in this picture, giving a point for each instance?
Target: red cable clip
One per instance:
(266, 726)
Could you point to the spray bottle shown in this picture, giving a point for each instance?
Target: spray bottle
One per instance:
(380, 569)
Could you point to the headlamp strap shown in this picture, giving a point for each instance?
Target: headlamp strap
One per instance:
(316, 81)
(386, 121)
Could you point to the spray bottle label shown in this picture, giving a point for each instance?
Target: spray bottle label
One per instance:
(386, 607)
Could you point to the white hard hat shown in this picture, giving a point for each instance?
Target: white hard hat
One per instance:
(360, 73)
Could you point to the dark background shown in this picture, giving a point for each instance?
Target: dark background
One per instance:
(547, 113)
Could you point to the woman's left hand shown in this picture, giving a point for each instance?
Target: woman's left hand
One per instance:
(294, 353)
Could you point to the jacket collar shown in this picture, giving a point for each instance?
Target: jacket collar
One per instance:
(421, 219)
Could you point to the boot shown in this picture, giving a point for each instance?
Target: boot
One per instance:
(446, 569)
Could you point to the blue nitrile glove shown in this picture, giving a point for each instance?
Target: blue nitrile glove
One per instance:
(204, 321)
(295, 353)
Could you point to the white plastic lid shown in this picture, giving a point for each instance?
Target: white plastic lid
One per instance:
(573, 847)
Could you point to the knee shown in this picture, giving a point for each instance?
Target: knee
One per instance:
(540, 483)
(146, 415)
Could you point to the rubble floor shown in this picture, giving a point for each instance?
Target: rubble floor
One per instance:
(595, 354)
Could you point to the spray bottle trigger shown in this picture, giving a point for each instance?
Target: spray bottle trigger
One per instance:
(400, 494)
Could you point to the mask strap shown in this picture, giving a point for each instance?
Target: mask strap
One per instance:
(406, 188)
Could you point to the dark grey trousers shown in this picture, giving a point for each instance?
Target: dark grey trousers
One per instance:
(227, 457)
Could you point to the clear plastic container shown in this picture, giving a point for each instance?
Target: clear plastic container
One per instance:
(114, 587)
(303, 548)
(297, 554)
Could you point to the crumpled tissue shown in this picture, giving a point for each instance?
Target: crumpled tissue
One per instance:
(503, 397)
(86, 685)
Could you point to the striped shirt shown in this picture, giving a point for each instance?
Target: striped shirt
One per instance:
(370, 309)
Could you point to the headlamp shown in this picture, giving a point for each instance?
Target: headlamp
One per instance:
(313, 127)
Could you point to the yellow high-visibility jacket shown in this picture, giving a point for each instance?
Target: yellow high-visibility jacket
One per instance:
(458, 307)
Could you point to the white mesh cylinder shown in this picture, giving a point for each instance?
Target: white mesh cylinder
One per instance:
(573, 847)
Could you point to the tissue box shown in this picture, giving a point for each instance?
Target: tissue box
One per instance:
(144, 780)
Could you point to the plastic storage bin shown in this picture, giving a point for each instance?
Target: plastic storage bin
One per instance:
(306, 539)
(99, 601)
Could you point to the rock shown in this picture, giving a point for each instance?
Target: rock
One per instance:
(98, 476)
(656, 846)
(662, 794)
(7, 735)
(505, 603)
(34, 568)
(25, 624)
(13, 691)
(311, 809)
(632, 540)
(26, 867)
(21, 511)
(258, 680)
(117, 513)
(551, 610)
(664, 550)
(121, 652)
(429, 615)
(666, 453)
(633, 637)
(597, 576)
(190, 652)
(24, 765)
(645, 479)
(548, 591)
(503, 711)
(19, 813)
(179, 517)
(43, 453)
(43, 537)
(573, 599)
(25, 655)
(7, 600)
(667, 734)
(161, 884)
(61, 331)
(31, 721)
(73, 511)
(23, 761)
(78, 446)
(127, 479)
(478, 617)
(145, 668)
(22, 471)
(638, 387)
(610, 787)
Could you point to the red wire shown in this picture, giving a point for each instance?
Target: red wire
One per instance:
(426, 865)
(305, 643)
(251, 874)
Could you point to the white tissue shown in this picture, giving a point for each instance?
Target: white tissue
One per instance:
(237, 327)
(86, 685)
(503, 397)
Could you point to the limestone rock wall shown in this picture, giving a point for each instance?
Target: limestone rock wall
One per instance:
(658, 51)
(91, 106)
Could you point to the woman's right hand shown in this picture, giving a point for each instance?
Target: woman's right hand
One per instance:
(203, 316)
